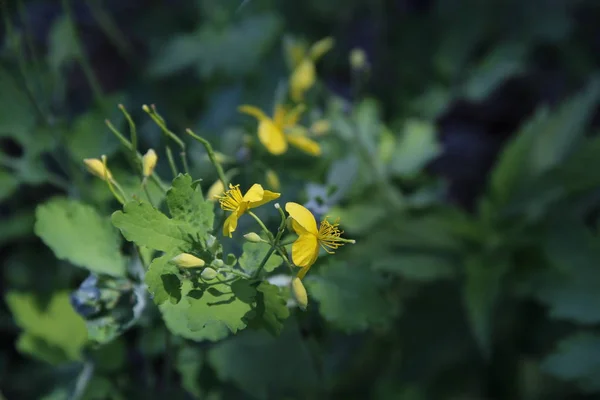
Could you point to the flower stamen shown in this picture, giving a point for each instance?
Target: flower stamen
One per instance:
(329, 235)
(231, 199)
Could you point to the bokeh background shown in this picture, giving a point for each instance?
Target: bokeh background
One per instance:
(483, 284)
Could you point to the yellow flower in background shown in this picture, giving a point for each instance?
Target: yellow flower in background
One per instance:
(320, 127)
(233, 201)
(149, 162)
(215, 190)
(305, 249)
(275, 133)
(97, 168)
(304, 74)
(272, 180)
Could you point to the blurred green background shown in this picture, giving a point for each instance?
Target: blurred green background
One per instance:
(472, 189)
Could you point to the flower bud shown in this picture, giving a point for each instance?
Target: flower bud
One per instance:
(218, 263)
(96, 167)
(215, 190)
(320, 127)
(358, 59)
(299, 293)
(149, 162)
(272, 180)
(208, 274)
(186, 260)
(253, 238)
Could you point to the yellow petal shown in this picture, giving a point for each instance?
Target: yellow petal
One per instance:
(267, 197)
(320, 127)
(302, 79)
(303, 143)
(305, 250)
(321, 47)
(279, 115)
(303, 217)
(186, 260)
(257, 196)
(302, 272)
(272, 137)
(253, 111)
(230, 224)
(295, 51)
(272, 179)
(96, 167)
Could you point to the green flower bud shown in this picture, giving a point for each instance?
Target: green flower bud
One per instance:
(299, 293)
(208, 274)
(253, 237)
(218, 263)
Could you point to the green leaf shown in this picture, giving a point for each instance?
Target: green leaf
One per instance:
(8, 184)
(62, 44)
(163, 280)
(271, 310)
(77, 233)
(269, 367)
(420, 267)
(234, 51)
(481, 289)
(186, 204)
(253, 255)
(89, 137)
(143, 224)
(53, 329)
(352, 300)
(189, 363)
(416, 148)
(577, 359)
(209, 311)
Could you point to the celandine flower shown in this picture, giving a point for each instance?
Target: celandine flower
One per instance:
(275, 133)
(304, 74)
(149, 162)
(305, 249)
(233, 201)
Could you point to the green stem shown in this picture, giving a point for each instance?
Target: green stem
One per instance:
(262, 226)
(172, 162)
(147, 192)
(134, 140)
(211, 156)
(129, 146)
(233, 271)
(161, 123)
(111, 29)
(83, 380)
(263, 262)
(81, 57)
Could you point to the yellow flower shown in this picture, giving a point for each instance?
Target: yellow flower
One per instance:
(304, 74)
(97, 167)
(275, 133)
(149, 162)
(233, 201)
(305, 249)
(272, 179)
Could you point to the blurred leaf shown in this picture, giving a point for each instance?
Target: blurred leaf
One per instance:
(233, 51)
(253, 255)
(8, 184)
(351, 299)
(577, 359)
(420, 267)
(358, 218)
(90, 138)
(271, 310)
(77, 233)
(16, 111)
(17, 226)
(62, 45)
(500, 64)
(270, 367)
(189, 363)
(209, 312)
(416, 148)
(54, 325)
(482, 287)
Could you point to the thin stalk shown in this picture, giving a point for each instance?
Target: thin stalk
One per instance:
(262, 226)
(172, 162)
(133, 134)
(263, 262)
(112, 30)
(211, 156)
(170, 134)
(83, 380)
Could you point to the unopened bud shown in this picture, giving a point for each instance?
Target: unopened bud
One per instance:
(253, 237)
(358, 59)
(186, 260)
(218, 263)
(320, 127)
(272, 180)
(208, 274)
(96, 167)
(149, 162)
(215, 190)
(299, 293)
